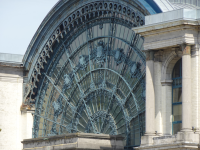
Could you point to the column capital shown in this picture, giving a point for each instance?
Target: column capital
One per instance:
(158, 55)
(186, 49)
(149, 55)
(195, 50)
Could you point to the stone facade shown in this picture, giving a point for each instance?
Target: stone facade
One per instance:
(169, 37)
(14, 124)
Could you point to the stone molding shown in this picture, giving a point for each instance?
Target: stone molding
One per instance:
(11, 64)
(165, 27)
(168, 34)
(10, 74)
(11, 79)
(168, 146)
(72, 135)
(76, 141)
(180, 141)
(170, 42)
(166, 82)
(166, 70)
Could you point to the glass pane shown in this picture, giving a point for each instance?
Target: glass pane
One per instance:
(177, 95)
(177, 128)
(177, 82)
(177, 69)
(177, 112)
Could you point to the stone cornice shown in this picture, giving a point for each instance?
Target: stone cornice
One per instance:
(75, 135)
(13, 79)
(163, 33)
(163, 27)
(169, 42)
(11, 64)
(170, 19)
(74, 141)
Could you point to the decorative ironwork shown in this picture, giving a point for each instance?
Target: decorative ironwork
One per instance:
(118, 56)
(68, 80)
(82, 62)
(100, 53)
(91, 74)
(135, 70)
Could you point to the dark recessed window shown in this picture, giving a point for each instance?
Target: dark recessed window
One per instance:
(177, 97)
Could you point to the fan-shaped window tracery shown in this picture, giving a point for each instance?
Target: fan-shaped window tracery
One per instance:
(92, 75)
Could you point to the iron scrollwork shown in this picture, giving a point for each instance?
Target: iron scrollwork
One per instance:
(100, 53)
(83, 62)
(118, 56)
(100, 111)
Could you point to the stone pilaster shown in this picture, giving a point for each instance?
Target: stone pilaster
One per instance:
(186, 88)
(147, 139)
(167, 107)
(158, 92)
(195, 87)
(150, 95)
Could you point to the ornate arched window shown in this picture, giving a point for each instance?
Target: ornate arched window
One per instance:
(87, 70)
(177, 97)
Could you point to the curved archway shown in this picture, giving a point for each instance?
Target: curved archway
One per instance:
(168, 65)
(88, 72)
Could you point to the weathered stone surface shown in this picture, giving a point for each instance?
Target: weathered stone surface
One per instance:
(172, 40)
(181, 141)
(14, 124)
(75, 141)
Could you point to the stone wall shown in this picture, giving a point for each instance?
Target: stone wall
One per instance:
(15, 125)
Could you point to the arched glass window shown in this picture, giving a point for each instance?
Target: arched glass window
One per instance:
(177, 97)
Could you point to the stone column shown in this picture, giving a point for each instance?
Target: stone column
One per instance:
(195, 87)
(158, 92)
(186, 88)
(199, 91)
(167, 107)
(150, 95)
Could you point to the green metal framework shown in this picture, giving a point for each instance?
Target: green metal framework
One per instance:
(90, 74)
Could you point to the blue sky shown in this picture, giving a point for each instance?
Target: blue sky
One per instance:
(19, 20)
